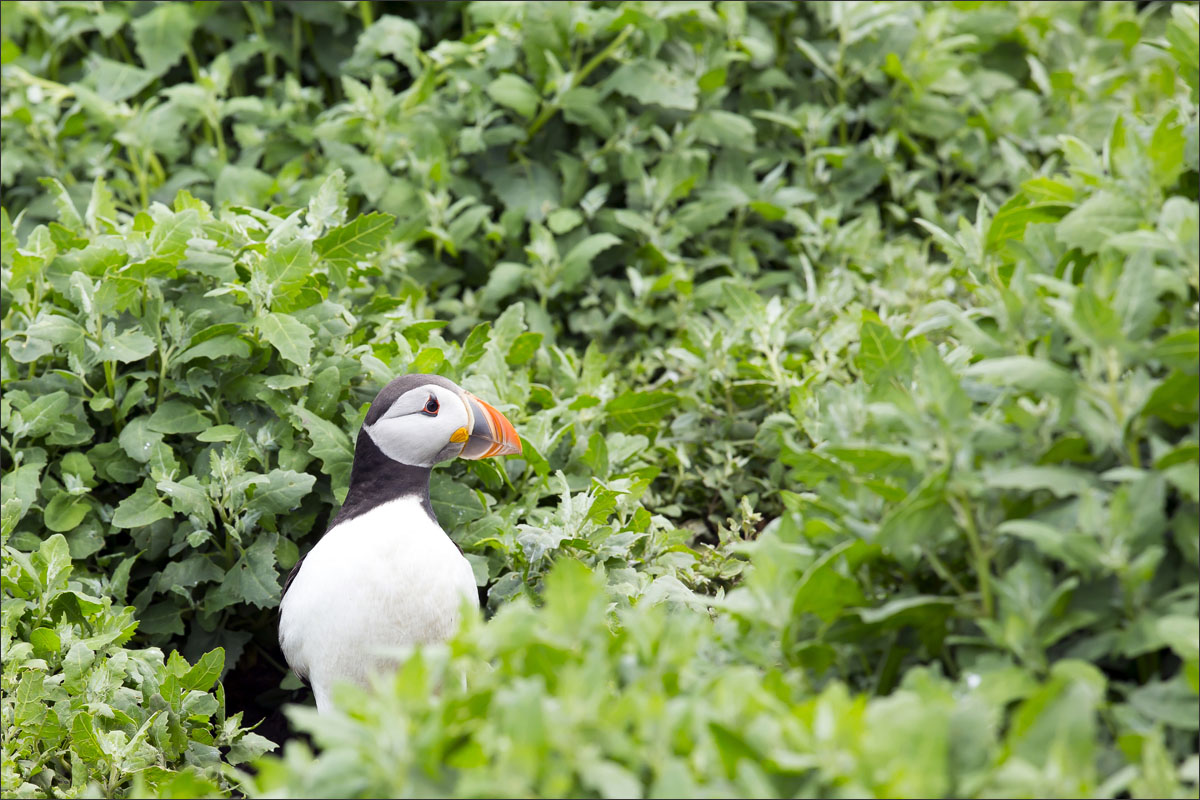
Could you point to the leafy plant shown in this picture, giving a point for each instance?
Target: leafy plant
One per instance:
(82, 713)
(853, 348)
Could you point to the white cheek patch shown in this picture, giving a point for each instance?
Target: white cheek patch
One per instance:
(392, 441)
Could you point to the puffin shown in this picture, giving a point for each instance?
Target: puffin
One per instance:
(385, 575)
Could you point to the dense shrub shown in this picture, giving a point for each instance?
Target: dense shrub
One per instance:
(853, 346)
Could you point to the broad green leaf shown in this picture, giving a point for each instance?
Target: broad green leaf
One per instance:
(1100, 217)
(513, 91)
(40, 416)
(187, 496)
(177, 416)
(281, 490)
(327, 208)
(1024, 372)
(65, 512)
(67, 213)
(454, 503)
(654, 82)
(1014, 216)
(84, 740)
(163, 35)
(219, 347)
(289, 263)
(291, 337)
(523, 348)
(115, 81)
(46, 640)
(578, 260)
(126, 346)
(205, 673)
(640, 411)
(880, 353)
(329, 443)
(143, 507)
(138, 440)
(474, 347)
(253, 579)
(343, 247)
(1062, 482)
(248, 747)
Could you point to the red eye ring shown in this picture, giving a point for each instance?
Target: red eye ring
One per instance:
(431, 406)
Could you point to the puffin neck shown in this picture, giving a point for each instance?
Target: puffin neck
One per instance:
(376, 479)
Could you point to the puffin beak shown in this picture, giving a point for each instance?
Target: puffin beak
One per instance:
(490, 433)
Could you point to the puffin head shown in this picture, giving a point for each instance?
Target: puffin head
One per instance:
(422, 420)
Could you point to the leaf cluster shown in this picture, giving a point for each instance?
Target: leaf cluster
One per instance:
(852, 346)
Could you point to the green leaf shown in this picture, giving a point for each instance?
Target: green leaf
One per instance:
(219, 347)
(523, 348)
(454, 503)
(291, 337)
(143, 507)
(475, 345)
(513, 91)
(67, 213)
(880, 354)
(281, 490)
(115, 81)
(84, 741)
(218, 433)
(253, 579)
(392, 36)
(289, 264)
(42, 414)
(1018, 213)
(1025, 373)
(8, 239)
(125, 347)
(578, 260)
(45, 640)
(163, 35)
(329, 443)
(1060, 481)
(187, 497)
(327, 208)
(640, 411)
(1099, 218)
(177, 416)
(65, 512)
(138, 441)
(654, 82)
(205, 673)
(343, 247)
(248, 747)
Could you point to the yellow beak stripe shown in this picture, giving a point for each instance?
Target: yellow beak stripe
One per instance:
(459, 435)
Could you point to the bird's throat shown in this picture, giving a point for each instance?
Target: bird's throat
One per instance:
(376, 479)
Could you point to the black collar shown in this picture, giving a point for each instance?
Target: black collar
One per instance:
(376, 479)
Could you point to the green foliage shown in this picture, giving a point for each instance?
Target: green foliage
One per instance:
(84, 714)
(853, 349)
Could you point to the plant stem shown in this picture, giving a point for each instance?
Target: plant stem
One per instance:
(268, 56)
(962, 508)
(550, 109)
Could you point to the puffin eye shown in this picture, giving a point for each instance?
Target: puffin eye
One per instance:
(431, 406)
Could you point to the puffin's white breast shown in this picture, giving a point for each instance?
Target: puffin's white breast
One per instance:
(387, 578)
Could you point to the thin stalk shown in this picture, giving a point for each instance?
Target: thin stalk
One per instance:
(944, 573)
(550, 108)
(983, 568)
(163, 359)
(268, 56)
(192, 62)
